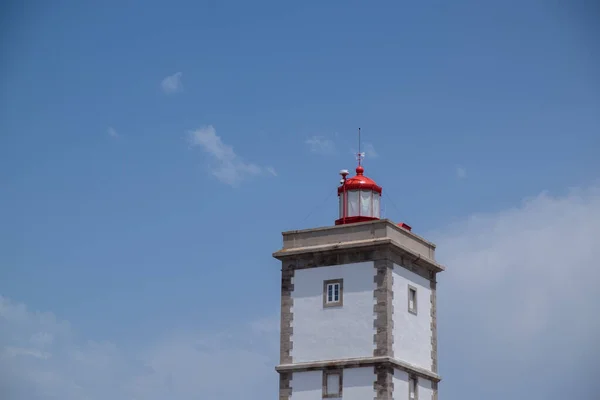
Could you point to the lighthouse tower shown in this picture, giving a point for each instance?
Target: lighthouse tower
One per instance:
(358, 305)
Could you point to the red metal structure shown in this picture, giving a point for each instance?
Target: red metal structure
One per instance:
(359, 198)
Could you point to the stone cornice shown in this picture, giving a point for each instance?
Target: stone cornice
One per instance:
(286, 254)
(359, 362)
(355, 244)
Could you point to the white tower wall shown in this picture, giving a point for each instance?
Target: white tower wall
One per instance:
(323, 333)
(412, 333)
(425, 390)
(400, 379)
(357, 384)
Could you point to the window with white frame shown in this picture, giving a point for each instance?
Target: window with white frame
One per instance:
(333, 292)
(412, 299)
(332, 384)
(413, 388)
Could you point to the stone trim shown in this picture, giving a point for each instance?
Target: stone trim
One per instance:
(330, 258)
(414, 265)
(340, 373)
(434, 355)
(339, 303)
(374, 252)
(285, 385)
(383, 309)
(358, 245)
(384, 382)
(287, 316)
(357, 363)
(434, 387)
(415, 309)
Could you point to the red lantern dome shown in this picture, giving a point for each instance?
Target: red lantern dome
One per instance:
(359, 198)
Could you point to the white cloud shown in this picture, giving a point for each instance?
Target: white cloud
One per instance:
(31, 352)
(42, 339)
(520, 294)
(172, 83)
(369, 151)
(272, 171)
(227, 166)
(320, 145)
(461, 172)
(182, 366)
(112, 132)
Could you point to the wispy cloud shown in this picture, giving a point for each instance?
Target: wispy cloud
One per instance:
(29, 352)
(112, 132)
(523, 283)
(227, 166)
(272, 171)
(369, 151)
(461, 172)
(325, 146)
(321, 145)
(180, 366)
(172, 83)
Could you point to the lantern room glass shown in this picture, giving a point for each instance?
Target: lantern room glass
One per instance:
(376, 205)
(363, 203)
(352, 210)
(366, 203)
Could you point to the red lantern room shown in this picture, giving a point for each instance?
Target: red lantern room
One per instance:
(359, 198)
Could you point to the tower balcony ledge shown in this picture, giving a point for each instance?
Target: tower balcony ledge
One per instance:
(359, 362)
(366, 244)
(379, 228)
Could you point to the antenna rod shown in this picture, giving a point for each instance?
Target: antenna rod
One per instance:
(359, 153)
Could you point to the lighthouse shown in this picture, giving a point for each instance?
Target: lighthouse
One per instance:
(358, 305)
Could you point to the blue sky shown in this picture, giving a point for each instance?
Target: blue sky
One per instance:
(151, 153)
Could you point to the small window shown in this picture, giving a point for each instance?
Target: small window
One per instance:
(333, 292)
(413, 388)
(332, 384)
(412, 299)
